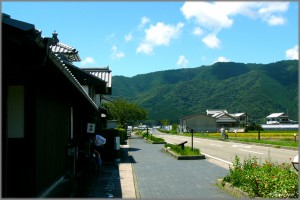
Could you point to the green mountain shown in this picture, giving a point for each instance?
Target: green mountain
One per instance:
(259, 89)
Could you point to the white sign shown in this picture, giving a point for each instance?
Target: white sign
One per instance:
(117, 143)
(91, 128)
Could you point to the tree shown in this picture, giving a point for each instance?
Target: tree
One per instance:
(125, 112)
(174, 127)
(165, 122)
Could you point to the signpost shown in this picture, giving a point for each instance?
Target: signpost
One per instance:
(192, 130)
(91, 128)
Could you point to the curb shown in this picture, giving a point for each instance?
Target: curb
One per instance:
(178, 157)
(234, 191)
(128, 180)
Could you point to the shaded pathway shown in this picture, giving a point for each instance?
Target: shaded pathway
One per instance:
(104, 184)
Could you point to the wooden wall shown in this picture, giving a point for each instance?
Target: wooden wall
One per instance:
(52, 133)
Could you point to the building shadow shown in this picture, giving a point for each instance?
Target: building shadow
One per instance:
(126, 157)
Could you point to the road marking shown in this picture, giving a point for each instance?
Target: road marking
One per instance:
(219, 159)
(216, 145)
(241, 145)
(251, 151)
(195, 141)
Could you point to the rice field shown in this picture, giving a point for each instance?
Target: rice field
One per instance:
(277, 138)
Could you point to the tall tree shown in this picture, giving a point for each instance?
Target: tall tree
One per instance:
(165, 122)
(125, 112)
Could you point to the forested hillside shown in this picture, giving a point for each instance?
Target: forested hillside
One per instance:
(259, 89)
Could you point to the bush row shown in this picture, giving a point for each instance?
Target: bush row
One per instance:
(187, 151)
(267, 180)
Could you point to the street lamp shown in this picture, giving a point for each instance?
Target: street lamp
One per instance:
(295, 163)
(295, 137)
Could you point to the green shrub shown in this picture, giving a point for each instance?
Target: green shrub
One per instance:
(173, 132)
(187, 151)
(123, 135)
(139, 133)
(153, 138)
(267, 180)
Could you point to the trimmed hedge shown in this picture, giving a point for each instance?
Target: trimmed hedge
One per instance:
(108, 152)
(187, 151)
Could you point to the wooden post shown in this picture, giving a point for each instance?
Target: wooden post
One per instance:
(192, 130)
(147, 132)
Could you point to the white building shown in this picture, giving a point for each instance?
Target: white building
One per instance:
(278, 118)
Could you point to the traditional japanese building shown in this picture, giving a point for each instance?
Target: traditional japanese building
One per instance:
(45, 110)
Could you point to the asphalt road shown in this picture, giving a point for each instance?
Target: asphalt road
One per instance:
(225, 151)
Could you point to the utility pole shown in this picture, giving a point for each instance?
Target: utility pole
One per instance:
(246, 118)
(192, 130)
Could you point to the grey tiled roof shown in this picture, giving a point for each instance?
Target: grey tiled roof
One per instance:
(70, 53)
(102, 73)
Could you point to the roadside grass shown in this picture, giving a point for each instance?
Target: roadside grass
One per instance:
(153, 138)
(273, 138)
(187, 151)
(150, 137)
(139, 133)
(266, 180)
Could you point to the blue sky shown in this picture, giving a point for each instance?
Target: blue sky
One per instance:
(142, 37)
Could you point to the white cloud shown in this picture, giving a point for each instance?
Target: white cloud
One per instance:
(272, 7)
(128, 37)
(114, 48)
(159, 35)
(215, 16)
(272, 12)
(218, 15)
(182, 61)
(222, 59)
(212, 41)
(116, 54)
(144, 21)
(292, 53)
(87, 60)
(144, 48)
(274, 20)
(198, 31)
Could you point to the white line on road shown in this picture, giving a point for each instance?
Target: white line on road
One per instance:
(219, 159)
(241, 145)
(216, 145)
(195, 141)
(251, 151)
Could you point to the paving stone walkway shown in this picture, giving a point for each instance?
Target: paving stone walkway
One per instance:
(99, 184)
(158, 175)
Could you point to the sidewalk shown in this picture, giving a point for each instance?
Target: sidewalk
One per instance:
(147, 172)
(158, 175)
(99, 184)
(112, 181)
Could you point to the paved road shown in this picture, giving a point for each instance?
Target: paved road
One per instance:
(158, 175)
(226, 151)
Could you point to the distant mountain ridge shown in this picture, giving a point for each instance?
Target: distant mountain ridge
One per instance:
(259, 89)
